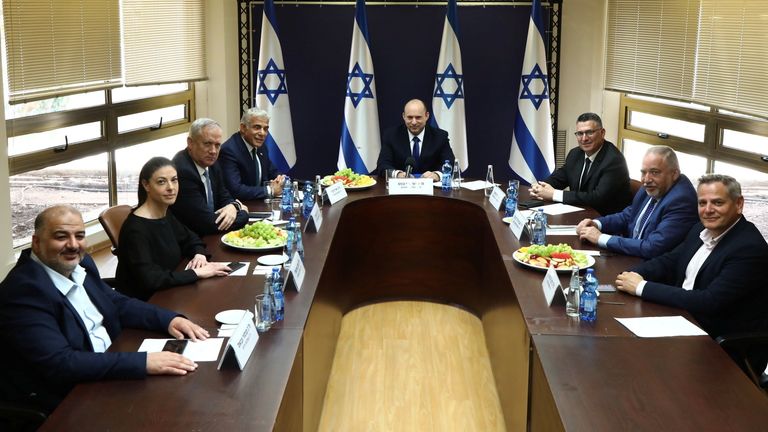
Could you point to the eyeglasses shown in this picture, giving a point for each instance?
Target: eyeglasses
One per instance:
(588, 133)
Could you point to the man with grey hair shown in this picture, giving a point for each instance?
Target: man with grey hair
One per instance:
(661, 214)
(203, 203)
(245, 159)
(716, 272)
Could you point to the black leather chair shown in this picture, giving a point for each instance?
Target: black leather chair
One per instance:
(15, 417)
(750, 351)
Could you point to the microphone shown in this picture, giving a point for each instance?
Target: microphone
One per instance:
(409, 163)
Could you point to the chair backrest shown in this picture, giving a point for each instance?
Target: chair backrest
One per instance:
(750, 351)
(112, 220)
(634, 186)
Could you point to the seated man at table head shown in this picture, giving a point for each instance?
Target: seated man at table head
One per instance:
(245, 160)
(153, 243)
(595, 172)
(716, 273)
(57, 319)
(204, 203)
(660, 215)
(428, 146)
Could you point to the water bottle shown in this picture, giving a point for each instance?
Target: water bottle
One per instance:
(539, 236)
(456, 178)
(286, 205)
(588, 300)
(574, 290)
(277, 294)
(309, 201)
(489, 183)
(296, 204)
(446, 177)
(319, 191)
(510, 202)
(290, 239)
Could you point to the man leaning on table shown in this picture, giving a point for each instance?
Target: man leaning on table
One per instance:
(595, 172)
(717, 272)
(660, 215)
(57, 319)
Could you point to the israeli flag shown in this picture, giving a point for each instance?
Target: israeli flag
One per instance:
(532, 156)
(448, 99)
(272, 93)
(360, 140)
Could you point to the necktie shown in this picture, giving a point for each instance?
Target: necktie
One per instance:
(587, 164)
(208, 189)
(257, 165)
(644, 218)
(416, 152)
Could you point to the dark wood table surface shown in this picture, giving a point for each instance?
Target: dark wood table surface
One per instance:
(600, 364)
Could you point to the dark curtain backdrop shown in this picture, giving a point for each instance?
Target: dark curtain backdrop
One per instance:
(405, 46)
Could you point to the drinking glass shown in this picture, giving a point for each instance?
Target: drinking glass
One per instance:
(263, 311)
(268, 192)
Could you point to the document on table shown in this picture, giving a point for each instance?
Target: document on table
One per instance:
(476, 185)
(561, 230)
(661, 326)
(200, 351)
(559, 208)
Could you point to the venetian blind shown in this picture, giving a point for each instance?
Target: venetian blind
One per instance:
(164, 41)
(55, 47)
(651, 47)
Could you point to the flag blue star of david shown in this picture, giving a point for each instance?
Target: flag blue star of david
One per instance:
(448, 97)
(536, 74)
(367, 79)
(272, 94)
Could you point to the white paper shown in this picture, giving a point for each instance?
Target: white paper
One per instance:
(262, 269)
(559, 208)
(476, 184)
(242, 271)
(661, 326)
(561, 230)
(200, 351)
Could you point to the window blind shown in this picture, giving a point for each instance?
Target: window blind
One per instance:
(164, 41)
(55, 47)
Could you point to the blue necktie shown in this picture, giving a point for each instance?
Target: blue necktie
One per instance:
(208, 189)
(416, 152)
(644, 218)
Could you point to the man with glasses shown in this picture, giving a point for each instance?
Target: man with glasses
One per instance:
(595, 172)
(660, 215)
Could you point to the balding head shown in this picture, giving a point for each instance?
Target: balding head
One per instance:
(59, 238)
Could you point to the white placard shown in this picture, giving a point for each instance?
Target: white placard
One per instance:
(553, 292)
(315, 220)
(497, 197)
(296, 270)
(336, 192)
(517, 224)
(241, 344)
(411, 186)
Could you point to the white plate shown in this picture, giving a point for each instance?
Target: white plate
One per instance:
(517, 254)
(272, 260)
(232, 316)
(507, 219)
(260, 248)
(354, 188)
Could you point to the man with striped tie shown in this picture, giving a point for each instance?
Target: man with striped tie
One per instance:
(660, 215)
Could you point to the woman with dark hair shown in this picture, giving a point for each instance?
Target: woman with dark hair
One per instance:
(153, 243)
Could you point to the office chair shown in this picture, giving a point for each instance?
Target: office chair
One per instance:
(15, 417)
(634, 186)
(112, 220)
(744, 349)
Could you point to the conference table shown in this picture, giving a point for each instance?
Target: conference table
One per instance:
(552, 372)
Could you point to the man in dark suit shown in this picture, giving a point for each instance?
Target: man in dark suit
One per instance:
(595, 172)
(428, 146)
(57, 319)
(658, 219)
(204, 204)
(245, 160)
(717, 272)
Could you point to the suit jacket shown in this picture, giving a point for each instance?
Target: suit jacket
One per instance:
(239, 169)
(674, 215)
(396, 148)
(191, 207)
(729, 294)
(607, 182)
(46, 345)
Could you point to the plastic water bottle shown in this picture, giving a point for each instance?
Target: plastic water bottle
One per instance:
(510, 202)
(309, 201)
(574, 290)
(539, 228)
(456, 178)
(489, 183)
(277, 294)
(319, 191)
(290, 239)
(286, 205)
(588, 300)
(446, 177)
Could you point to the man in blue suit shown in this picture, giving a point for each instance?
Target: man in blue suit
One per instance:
(57, 319)
(245, 160)
(716, 273)
(660, 215)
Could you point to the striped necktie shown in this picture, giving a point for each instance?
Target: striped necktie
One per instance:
(644, 218)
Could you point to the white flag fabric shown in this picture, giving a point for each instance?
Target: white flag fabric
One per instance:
(532, 154)
(448, 98)
(360, 140)
(272, 93)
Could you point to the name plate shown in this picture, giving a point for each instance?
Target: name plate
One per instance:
(411, 186)
(336, 192)
(315, 220)
(518, 224)
(553, 292)
(240, 344)
(497, 197)
(296, 271)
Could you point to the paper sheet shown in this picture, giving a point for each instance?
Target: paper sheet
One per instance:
(561, 230)
(475, 185)
(661, 326)
(200, 351)
(559, 208)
